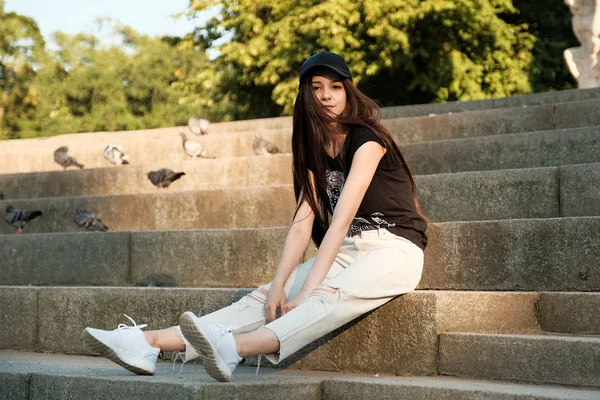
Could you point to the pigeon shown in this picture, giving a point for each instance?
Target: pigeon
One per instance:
(263, 146)
(192, 148)
(114, 154)
(64, 158)
(88, 221)
(18, 219)
(164, 177)
(198, 125)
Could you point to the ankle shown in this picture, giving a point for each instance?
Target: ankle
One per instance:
(152, 339)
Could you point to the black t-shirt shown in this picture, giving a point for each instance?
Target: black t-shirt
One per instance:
(388, 202)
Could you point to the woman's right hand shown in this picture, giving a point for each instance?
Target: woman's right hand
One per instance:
(276, 299)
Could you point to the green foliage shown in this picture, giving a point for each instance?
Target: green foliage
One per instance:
(84, 87)
(21, 45)
(400, 51)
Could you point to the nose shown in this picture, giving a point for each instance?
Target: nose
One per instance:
(325, 95)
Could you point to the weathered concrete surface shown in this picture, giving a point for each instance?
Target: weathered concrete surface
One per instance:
(445, 388)
(245, 207)
(201, 174)
(506, 194)
(567, 360)
(59, 259)
(207, 258)
(528, 254)
(97, 378)
(18, 318)
(580, 190)
(15, 385)
(65, 312)
(32, 155)
(575, 313)
(522, 150)
(533, 99)
(473, 123)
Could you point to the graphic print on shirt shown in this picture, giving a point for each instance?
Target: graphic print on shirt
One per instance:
(335, 184)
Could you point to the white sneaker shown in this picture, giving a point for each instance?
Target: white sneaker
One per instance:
(216, 346)
(126, 346)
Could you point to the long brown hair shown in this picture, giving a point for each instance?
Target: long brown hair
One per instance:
(314, 129)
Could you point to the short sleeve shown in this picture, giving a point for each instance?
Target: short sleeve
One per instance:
(360, 136)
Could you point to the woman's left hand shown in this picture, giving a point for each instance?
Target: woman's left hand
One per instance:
(295, 302)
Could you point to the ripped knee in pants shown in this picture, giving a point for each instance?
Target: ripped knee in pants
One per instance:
(256, 295)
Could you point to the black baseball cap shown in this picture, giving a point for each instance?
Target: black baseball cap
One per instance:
(326, 59)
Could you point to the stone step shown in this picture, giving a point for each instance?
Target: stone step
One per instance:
(558, 254)
(496, 152)
(474, 196)
(564, 313)
(533, 99)
(165, 146)
(495, 122)
(32, 376)
(519, 150)
(201, 174)
(565, 360)
(51, 319)
(244, 207)
(27, 155)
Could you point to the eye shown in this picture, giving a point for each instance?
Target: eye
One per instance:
(337, 86)
(316, 87)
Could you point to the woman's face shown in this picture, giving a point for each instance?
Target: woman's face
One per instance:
(329, 91)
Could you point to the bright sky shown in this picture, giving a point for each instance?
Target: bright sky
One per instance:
(151, 17)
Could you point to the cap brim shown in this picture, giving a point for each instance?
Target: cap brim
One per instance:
(312, 67)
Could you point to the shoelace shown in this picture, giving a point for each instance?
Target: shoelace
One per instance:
(258, 367)
(181, 356)
(135, 326)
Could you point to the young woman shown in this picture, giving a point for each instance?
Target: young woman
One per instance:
(356, 200)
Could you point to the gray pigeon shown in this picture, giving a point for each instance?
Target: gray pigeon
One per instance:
(88, 221)
(262, 147)
(198, 125)
(164, 177)
(65, 159)
(193, 149)
(114, 154)
(18, 219)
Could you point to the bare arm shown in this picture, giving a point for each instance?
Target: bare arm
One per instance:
(365, 162)
(295, 243)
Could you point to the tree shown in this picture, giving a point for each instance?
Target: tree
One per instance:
(21, 44)
(85, 87)
(400, 51)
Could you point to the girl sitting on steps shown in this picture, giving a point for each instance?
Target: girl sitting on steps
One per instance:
(356, 200)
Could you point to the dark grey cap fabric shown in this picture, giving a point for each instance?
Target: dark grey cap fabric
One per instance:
(325, 59)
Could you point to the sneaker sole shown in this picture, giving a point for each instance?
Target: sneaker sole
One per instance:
(119, 358)
(213, 363)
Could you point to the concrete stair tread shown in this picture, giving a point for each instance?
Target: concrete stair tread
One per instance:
(557, 254)
(551, 336)
(475, 196)
(554, 359)
(33, 375)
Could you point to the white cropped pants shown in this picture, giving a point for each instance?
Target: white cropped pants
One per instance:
(369, 270)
